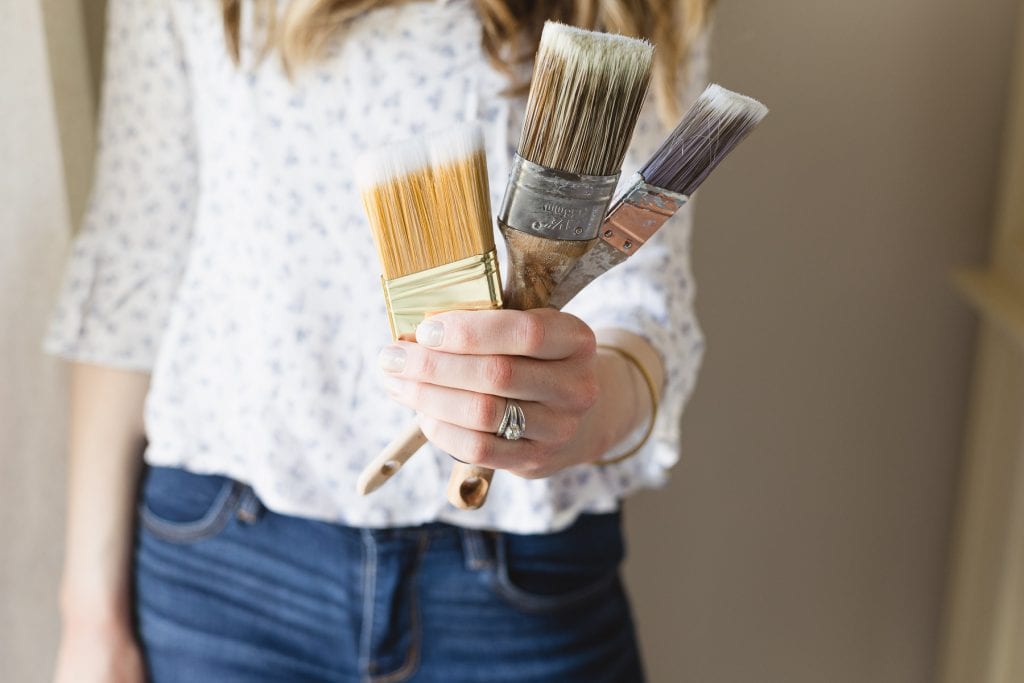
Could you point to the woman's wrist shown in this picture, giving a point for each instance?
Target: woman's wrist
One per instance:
(631, 376)
(94, 606)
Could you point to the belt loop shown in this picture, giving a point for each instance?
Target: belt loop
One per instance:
(477, 548)
(249, 506)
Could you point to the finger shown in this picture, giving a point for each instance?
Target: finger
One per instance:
(526, 379)
(540, 333)
(480, 412)
(478, 448)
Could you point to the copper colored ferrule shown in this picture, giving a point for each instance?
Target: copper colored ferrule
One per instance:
(638, 214)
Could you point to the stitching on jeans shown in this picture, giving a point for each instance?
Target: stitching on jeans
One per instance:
(412, 659)
(369, 598)
(249, 507)
(475, 550)
(210, 524)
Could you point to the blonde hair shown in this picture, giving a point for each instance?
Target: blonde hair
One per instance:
(511, 32)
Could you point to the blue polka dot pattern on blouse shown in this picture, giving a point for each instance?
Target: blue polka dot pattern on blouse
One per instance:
(225, 252)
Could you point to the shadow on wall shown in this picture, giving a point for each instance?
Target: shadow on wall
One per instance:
(94, 12)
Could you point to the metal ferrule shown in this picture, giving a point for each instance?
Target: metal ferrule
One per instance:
(638, 214)
(468, 284)
(553, 204)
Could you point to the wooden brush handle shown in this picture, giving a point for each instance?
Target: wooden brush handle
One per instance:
(391, 459)
(535, 267)
(469, 485)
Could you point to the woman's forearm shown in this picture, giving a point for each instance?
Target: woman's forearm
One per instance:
(104, 446)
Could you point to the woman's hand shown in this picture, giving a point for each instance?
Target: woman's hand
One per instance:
(467, 363)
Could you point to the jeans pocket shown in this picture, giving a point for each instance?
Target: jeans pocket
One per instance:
(182, 507)
(550, 572)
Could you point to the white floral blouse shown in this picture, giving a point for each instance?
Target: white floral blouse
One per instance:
(225, 251)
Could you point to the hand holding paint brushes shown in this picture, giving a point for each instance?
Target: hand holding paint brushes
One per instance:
(428, 208)
(717, 122)
(584, 101)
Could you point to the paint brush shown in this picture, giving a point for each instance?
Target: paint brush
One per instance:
(584, 100)
(717, 122)
(429, 210)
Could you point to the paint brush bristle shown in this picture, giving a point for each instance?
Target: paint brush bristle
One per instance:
(712, 128)
(464, 223)
(427, 204)
(586, 94)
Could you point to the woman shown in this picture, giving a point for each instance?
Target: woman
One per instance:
(223, 315)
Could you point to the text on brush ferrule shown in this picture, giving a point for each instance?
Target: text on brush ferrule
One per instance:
(553, 204)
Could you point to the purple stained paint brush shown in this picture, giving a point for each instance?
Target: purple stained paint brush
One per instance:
(716, 123)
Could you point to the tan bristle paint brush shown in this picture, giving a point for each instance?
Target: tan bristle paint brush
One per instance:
(429, 209)
(718, 121)
(585, 97)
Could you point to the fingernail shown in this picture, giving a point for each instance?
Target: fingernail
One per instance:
(430, 333)
(392, 358)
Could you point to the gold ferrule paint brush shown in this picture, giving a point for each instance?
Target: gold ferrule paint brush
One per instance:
(585, 97)
(717, 122)
(429, 211)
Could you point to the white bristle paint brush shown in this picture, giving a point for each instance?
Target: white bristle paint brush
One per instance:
(584, 101)
(428, 206)
(717, 122)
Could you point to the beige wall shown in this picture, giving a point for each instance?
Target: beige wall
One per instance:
(809, 517)
(804, 536)
(45, 144)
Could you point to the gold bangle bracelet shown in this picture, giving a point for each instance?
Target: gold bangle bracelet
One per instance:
(651, 387)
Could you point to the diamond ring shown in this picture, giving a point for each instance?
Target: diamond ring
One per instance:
(513, 422)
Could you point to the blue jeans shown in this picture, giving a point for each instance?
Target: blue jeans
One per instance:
(228, 591)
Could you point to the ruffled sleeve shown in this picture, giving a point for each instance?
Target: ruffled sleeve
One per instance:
(128, 257)
(652, 295)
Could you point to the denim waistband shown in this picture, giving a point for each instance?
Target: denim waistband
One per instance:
(478, 544)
